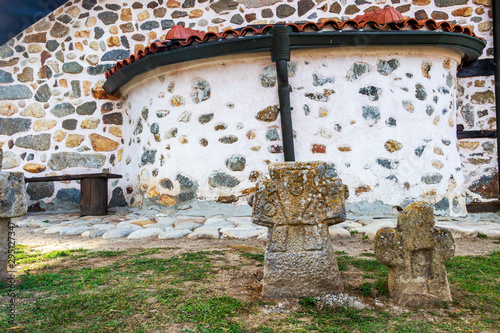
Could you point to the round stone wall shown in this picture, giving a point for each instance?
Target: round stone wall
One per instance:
(384, 119)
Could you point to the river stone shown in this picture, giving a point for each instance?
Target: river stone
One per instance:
(89, 4)
(73, 231)
(201, 91)
(387, 163)
(16, 91)
(93, 233)
(241, 233)
(187, 225)
(338, 233)
(371, 112)
(117, 233)
(222, 180)
(372, 92)
(204, 233)
(54, 230)
(10, 160)
(173, 234)
(13, 201)
(415, 253)
(10, 126)
(33, 110)
(239, 220)
(61, 161)
(144, 233)
(38, 142)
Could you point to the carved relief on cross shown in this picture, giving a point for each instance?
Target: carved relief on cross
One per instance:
(298, 204)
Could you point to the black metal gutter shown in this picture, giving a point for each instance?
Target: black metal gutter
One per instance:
(496, 53)
(470, 46)
(280, 54)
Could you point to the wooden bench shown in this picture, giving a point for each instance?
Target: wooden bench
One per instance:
(93, 192)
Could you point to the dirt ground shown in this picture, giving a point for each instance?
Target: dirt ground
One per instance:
(353, 246)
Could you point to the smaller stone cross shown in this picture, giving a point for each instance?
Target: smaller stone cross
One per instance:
(415, 253)
(298, 204)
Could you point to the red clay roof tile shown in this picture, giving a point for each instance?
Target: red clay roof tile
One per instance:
(380, 19)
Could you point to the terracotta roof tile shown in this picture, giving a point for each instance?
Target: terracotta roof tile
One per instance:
(384, 19)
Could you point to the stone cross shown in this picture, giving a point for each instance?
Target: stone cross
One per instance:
(298, 204)
(415, 253)
(13, 203)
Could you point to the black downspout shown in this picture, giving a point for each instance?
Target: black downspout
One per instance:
(280, 54)
(496, 53)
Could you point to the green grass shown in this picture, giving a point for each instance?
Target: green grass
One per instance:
(158, 290)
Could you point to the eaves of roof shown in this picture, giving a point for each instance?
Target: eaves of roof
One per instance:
(330, 33)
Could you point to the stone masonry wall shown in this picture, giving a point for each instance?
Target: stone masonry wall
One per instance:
(55, 118)
(384, 119)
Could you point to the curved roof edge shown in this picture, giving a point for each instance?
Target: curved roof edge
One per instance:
(213, 45)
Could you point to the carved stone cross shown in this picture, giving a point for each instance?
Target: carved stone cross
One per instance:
(298, 204)
(415, 253)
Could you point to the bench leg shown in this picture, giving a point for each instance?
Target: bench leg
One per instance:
(94, 196)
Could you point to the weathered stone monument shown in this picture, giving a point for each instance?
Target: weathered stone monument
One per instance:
(415, 253)
(298, 204)
(12, 204)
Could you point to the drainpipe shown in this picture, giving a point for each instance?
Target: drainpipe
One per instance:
(280, 54)
(496, 48)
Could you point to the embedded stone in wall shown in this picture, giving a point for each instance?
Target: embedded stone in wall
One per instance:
(448, 3)
(10, 160)
(387, 163)
(222, 180)
(483, 97)
(304, 6)
(229, 139)
(393, 145)
(5, 77)
(371, 113)
(10, 126)
(59, 30)
(319, 80)
(357, 70)
(69, 194)
(415, 252)
(69, 124)
(236, 163)
(115, 118)
(87, 108)
(420, 92)
(201, 91)
(486, 186)
(115, 55)
(108, 17)
(43, 93)
(8, 109)
(205, 118)
(386, 67)
(148, 157)
(39, 142)
(117, 198)
(285, 10)
(34, 168)
(63, 110)
(299, 259)
(61, 161)
(372, 92)
(102, 143)
(223, 5)
(72, 68)
(44, 124)
(37, 191)
(16, 91)
(434, 178)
